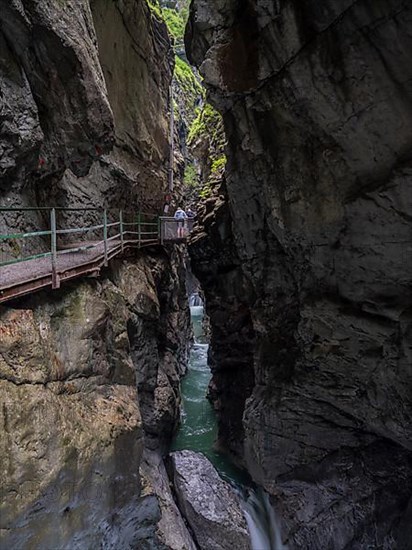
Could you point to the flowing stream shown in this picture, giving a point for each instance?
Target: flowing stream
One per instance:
(198, 432)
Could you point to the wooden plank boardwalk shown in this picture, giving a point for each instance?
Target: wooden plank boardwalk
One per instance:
(53, 266)
(29, 276)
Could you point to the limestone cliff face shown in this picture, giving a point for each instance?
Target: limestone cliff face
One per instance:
(160, 342)
(89, 374)
(216, 264)
(317, 103)
(54, 95)
(76, 404)
(79, 80)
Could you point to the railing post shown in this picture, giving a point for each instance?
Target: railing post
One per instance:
(139, 229)
(160, 225)
(53, 242)
(106, 258)
(121, 230)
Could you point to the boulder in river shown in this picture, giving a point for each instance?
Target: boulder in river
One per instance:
(210, 506)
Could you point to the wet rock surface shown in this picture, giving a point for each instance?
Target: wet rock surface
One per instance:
(209, 504)
(89, 374)
(84, 109)
(230, 357)
(73, 432)
(160, 340)
(316, 102)
(172, 529)
(52, 47)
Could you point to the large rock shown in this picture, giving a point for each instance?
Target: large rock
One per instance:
(171, 528)
(317, 103)
(84, 110)
(216, 263)
(134, 50)
(90, 371)
(72, 432)
(21, 134)
(54, 46)
(159, 335)
(209, 504)
(71, 427)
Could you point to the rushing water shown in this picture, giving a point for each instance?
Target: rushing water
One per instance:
(261, 520)
(198, 432)
(195, 300)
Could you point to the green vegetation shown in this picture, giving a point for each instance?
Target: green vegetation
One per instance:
(207, 135)
(208, 121)
(203, 126)
(187, 82)
(206, 191)
(185, 78)
(176, 17)
(191, 178)
(208, 124)
(189, 86)
(155, 9)
(216, 173)
(218, 167)
(176, 22)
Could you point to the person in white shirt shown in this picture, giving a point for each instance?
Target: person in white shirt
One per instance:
(181, 217)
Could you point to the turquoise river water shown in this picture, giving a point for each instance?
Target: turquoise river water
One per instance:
(198, 432)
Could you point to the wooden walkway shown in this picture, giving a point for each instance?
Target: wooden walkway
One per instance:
(50, 267)
(29, 276)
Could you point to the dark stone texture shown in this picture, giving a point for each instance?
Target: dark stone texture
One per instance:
(79, 406)
(160, 341)
(215, 263)
(209, 504)
(318, 185)
(84, 92)
(89, 374)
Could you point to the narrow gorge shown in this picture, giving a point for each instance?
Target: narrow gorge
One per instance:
(89, 373)
(305, 259)
(282, 418)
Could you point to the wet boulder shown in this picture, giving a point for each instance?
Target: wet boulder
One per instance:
(210, 506)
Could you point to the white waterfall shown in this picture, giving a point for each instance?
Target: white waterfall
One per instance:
(263, 526)
(196, 305)
(195, 300)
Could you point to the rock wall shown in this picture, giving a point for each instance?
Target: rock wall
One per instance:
(89, 374)
(216, 264)
(210, 505)
(160, 342)
(317, 104)
(84, 104)
(75, 405)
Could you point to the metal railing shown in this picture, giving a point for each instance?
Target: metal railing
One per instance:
(172, 230)
(108, 231)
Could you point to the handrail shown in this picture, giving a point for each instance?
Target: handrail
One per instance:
(80, 248)
(58, 257)
(64, 208)
(45, 208)
(79, 229)
(10, 236)
(27, 258)
(146, 227)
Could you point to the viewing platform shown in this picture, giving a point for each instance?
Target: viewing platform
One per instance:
(60, 251)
